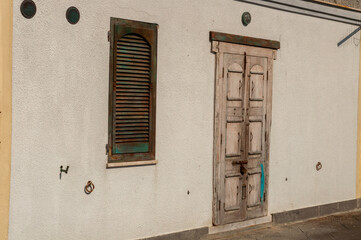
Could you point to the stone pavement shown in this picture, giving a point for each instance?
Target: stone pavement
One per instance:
(345, 226)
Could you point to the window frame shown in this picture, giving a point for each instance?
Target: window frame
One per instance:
(149, 31)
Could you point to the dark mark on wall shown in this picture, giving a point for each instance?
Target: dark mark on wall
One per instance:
(28, 9)
(73, 15)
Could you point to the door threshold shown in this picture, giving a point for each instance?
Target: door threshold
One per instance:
(239, 225)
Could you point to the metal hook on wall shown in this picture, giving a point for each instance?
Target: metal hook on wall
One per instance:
(89, 187)
(63, 170)
(348, 36)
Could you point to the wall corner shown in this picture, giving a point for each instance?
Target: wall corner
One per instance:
(6, 32)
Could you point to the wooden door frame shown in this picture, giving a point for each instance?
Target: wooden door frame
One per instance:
(234, 44)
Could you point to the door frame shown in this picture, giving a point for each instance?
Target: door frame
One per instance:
(234, 44)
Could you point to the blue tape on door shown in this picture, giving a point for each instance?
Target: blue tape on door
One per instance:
(262, 182)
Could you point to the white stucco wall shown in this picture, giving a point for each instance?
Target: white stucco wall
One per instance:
(60, 117)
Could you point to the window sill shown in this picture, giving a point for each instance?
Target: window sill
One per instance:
(131, 164)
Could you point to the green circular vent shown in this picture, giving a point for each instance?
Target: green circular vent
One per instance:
(246, 18)
(28, 8)
(73, 15)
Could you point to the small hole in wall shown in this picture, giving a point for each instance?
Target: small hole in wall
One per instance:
(188, 192)
(286, 179)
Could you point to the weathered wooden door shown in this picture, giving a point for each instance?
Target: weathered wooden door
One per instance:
(242, 124)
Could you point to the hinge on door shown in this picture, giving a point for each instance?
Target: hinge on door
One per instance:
(221, 139)
(108, 36)
(222, 72)
(107, 149)
(219, 205)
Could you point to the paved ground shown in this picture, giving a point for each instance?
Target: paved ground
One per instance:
(345, 226)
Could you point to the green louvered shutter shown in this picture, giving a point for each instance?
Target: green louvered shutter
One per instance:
(133, 93)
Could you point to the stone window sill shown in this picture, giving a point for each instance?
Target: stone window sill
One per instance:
(131, 164)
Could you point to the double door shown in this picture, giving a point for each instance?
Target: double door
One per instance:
(242, 121)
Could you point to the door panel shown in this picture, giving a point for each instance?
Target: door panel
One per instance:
(233, 194)
(256, 83)
(234, 85)
(254, 187)
(233, 139)
(255, 138)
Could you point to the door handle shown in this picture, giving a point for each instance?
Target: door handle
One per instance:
(244, 191)
(250, 188)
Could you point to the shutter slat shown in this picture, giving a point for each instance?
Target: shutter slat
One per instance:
(132, 71)
(131, 117)
(132, 94)
(132, 53)
(133, 63)
(132, 90)
(143, 50)
(121, 78)
(131, 114)
(131, 140)
(130, 128)
(131, 102)
(134, 75)
(122, 109)
(132, 106)
(122, 124)
(128, 67)
(132, 133)
(132, 60)
(132, 44)
(137, 57)
(135, 98)
(132, 83)
(131, 86)
(119, 136)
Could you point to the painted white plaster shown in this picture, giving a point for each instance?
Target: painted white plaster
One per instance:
(60, 117)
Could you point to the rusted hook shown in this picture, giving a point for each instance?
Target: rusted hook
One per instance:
(89, 187)
(318, 166)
